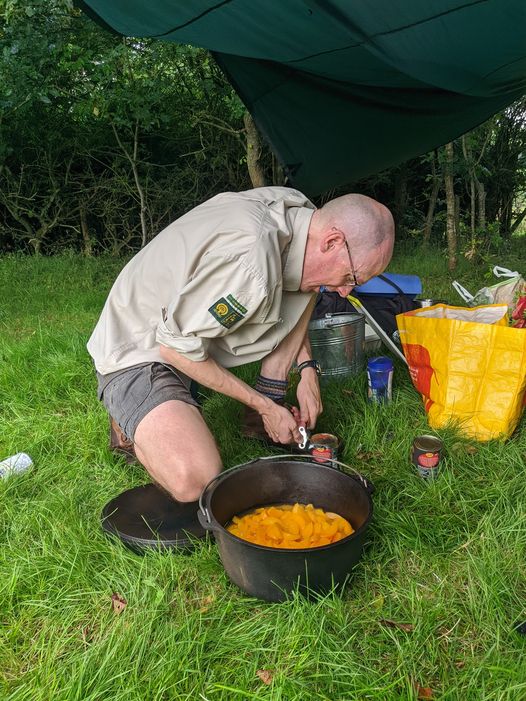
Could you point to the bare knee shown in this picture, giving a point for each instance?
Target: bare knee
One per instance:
(176, 447)
(186, 481)
(188, 487)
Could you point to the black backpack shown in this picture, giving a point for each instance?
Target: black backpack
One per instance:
(383, 308)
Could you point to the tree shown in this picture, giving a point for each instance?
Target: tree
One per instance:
(506, 158)
(451, 206)
(435, 188)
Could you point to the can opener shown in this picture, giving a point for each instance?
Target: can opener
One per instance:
(305, 443)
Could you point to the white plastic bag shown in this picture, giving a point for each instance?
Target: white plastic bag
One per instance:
(505, 292)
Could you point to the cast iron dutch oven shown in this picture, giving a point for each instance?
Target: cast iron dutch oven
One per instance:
(270, 573)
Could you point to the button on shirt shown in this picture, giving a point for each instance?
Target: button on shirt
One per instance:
(221, 281)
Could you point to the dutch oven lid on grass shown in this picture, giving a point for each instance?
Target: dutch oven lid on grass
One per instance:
(146, 517)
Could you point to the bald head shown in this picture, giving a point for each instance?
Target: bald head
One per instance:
(365, 221)
(353, 231)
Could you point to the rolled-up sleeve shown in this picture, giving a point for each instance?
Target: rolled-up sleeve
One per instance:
(169, 334)
(223, 294)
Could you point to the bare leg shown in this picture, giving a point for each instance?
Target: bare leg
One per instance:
(177, 449)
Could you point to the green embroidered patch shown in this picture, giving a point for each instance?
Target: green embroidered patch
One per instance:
(227, 311)
(237, 305)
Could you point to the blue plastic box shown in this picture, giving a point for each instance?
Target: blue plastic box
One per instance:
(411, 285)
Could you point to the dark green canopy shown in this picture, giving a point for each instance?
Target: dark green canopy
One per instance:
(345, 88)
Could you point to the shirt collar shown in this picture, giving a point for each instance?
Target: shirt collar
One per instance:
(299, 220)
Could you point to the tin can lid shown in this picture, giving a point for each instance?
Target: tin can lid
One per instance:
(324, 440)
(146, 517)
(429, 444)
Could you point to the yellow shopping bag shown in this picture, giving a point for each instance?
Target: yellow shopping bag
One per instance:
(468, 365)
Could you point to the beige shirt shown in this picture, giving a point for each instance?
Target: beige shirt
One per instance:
(221, 281)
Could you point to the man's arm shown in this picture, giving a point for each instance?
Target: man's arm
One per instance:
(276, 365)
(278, 421)
(308, 390)
(305, 352)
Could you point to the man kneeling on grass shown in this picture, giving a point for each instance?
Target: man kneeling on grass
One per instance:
(231, 282)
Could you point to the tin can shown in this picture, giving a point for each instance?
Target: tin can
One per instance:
(324, 447)
(426, 454)
(380, 379)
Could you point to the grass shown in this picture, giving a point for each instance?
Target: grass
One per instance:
(446, 559)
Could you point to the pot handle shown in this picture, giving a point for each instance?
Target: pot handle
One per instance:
(204, 519)
(366, 483)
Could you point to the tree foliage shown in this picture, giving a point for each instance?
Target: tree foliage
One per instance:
(104, 140)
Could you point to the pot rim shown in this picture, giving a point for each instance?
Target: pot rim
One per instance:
(215, 525)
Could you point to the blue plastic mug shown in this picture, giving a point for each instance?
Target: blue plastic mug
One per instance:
(380, 379)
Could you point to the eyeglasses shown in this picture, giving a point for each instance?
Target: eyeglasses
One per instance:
(353, 280)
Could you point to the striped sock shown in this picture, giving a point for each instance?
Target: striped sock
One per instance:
(274, 389)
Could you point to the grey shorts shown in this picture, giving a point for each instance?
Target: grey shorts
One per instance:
(130, 394)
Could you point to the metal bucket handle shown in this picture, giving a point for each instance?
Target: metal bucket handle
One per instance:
(204, 516)
(330, 322)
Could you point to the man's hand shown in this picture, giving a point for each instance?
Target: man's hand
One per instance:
(281, 425)
(309, 397)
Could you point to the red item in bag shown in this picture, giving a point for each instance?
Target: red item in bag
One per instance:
(519, 313)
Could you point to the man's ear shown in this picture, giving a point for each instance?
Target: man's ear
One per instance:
(334, 237)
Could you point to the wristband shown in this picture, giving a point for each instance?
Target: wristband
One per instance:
(273, 389)
(310, 364)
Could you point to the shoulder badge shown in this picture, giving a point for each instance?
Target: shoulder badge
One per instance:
(228, 311)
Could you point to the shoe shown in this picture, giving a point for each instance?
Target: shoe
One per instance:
(119, 443)
(252, 427)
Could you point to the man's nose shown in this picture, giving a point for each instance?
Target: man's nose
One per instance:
(345, 291)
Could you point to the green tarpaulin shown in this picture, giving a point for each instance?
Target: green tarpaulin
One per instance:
(342, 89)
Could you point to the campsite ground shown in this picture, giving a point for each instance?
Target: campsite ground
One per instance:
(446, 560)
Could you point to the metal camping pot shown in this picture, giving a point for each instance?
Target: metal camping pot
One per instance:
(338, 343)
(430, 302)
(271, 573)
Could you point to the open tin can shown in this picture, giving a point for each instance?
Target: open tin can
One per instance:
(322, 446)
